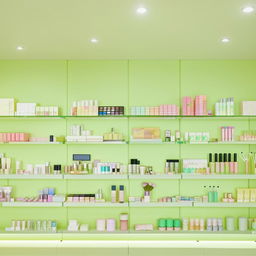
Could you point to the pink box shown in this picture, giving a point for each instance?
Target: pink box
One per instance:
(17, 136)
(8, 137)
(13, 136)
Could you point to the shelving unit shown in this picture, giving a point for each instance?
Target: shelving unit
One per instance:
(147, 152)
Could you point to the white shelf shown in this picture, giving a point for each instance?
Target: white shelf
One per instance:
(155, 177)
(95, 177)
(234, 143)
(34, 143)
(30, 177)
(156, 204)
(31, 204)
(218, 176)
(107, 204)
(100, 143)
(146, 141)
(234, 205)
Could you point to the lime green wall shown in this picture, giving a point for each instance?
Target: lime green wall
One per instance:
(127, 83)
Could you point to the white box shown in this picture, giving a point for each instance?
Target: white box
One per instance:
(248, 108)
(6, 107)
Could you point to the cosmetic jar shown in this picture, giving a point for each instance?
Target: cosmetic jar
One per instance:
(124, 222)
(169, 224)
(177, 224)
(162, 225)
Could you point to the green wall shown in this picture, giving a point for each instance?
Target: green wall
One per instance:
(128, 83)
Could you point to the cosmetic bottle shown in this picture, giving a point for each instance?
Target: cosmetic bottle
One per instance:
(185, 224)
(167, 136)
(217, 165)
(235, 164)
(209, 224)
(202, 224)
(192, 224)
(214, 225)
(231, 164)
(215, 194)
(166, 168)
(176, 166)
(221, 163)
(211, 164)
(47, 168)
(197, 224)
(210, 195)
(226, 164)
(121, 194)
(113, 194)
(220, 224)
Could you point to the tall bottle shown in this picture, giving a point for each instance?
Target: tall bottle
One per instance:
(121, 194)
(226, 164)
(235, 163)
(217, 166)
(211, 164)
(113, 194)
(221, 163)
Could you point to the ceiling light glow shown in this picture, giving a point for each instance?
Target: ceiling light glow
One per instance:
(225, 40)
(141, 10)
(248, 9)
(19, 48)
(94, 40)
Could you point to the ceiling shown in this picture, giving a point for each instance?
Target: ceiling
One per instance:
(171, 29)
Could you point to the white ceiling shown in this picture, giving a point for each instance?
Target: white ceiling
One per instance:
(173, 29)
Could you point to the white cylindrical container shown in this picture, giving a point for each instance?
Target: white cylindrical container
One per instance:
(101, 225)
(230, 223)
(243, 224)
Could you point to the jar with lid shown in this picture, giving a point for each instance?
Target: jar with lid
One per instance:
(124, 222)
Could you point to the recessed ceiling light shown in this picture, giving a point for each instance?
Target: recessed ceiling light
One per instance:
(248, 9)
(19, 48)
(141, 10)
(94, 40)
(225, 40)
